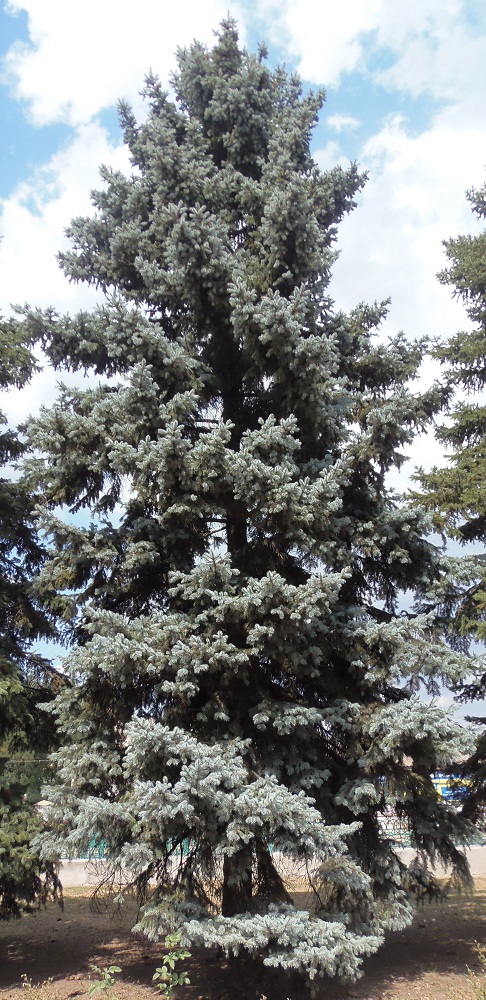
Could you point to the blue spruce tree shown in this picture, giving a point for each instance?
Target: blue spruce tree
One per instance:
(244, 686)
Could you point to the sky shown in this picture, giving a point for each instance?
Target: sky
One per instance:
(406, 88)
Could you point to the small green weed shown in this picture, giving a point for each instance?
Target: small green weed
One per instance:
(478, 981)
(105, 982)
(39, 991)
(166, 978)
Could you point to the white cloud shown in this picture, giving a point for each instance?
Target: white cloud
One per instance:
(32, 223)
(392, 244)
(325, 43)
(436, 46)
(414, 199)
(342, 122)
(330, 156)
(83, 56)
(33, 219)
(42, 390)
(440, 52)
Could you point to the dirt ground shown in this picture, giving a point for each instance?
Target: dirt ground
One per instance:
(429, 961)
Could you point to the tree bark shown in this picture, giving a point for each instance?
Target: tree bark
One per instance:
(237, 883)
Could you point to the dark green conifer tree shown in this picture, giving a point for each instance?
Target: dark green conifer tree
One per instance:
(244, 684)
(456, 492)
(26, 680)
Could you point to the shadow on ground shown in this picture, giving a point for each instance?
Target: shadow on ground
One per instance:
(429, 959)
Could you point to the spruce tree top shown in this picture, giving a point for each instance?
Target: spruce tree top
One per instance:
(243, 681)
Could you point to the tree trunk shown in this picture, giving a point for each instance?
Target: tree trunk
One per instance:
(237, 883)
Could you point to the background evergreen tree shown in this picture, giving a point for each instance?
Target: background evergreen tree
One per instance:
(26, 679)
(456, 493)
(244, 684)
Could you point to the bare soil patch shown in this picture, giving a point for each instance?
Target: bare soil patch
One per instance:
(428, 961)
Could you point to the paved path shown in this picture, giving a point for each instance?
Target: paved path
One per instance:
(475, 855)
(82, 873)
(78, 873)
